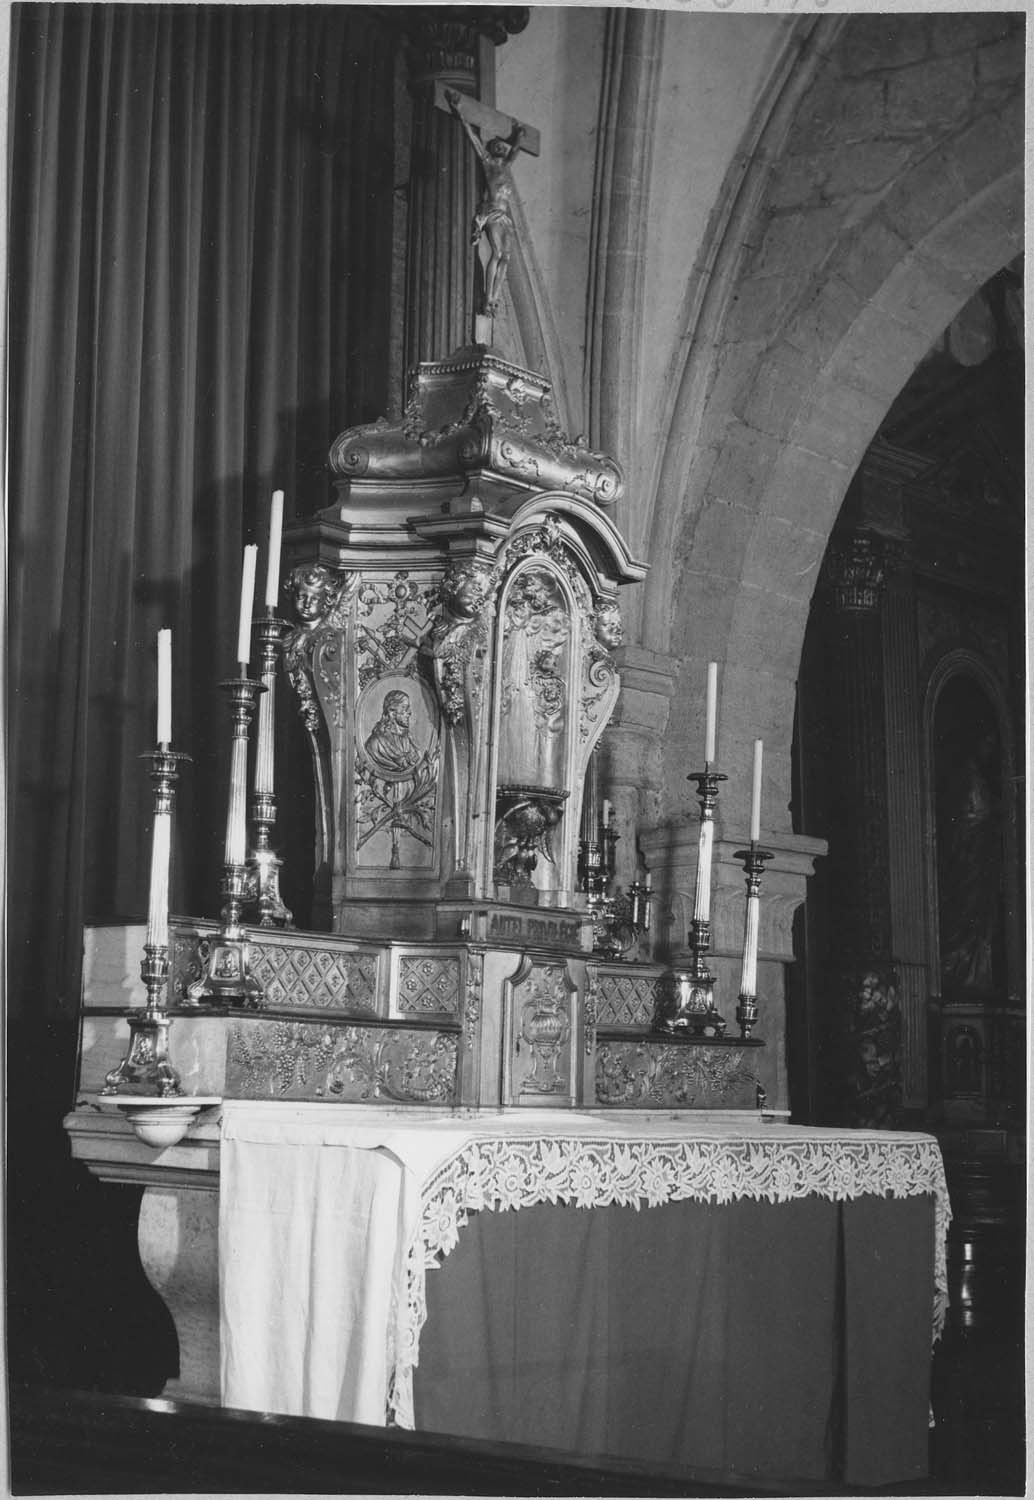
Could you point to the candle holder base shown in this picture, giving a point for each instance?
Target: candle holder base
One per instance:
(146, 1069)
(226, 978)
(746, 1014)
(687, 1004)
(263, 898)
(610, 939)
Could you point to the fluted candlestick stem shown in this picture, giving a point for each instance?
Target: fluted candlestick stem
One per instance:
(754, 860)
(242, 692)
(707, 795)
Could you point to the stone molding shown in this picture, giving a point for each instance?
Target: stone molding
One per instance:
(671, 855)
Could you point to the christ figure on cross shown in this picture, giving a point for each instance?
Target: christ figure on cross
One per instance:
(493, 220)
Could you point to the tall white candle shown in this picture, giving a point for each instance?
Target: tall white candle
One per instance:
(247, 604)
(649, 880)
(755, 801)
(165, 687)
(606, 813)
(711, 713)
(276, 527)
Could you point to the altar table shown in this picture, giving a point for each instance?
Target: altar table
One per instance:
(729, 1295)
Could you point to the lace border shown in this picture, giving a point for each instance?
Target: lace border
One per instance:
(502, 1173)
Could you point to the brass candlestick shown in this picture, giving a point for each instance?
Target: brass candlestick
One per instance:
(145, 1070)
(689, 1007)
(226, 977)
(596, 862)
(618, 918)
(263, 862)
(754, 860)
(640, 902)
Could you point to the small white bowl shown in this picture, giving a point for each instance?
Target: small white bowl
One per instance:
(163, 1122)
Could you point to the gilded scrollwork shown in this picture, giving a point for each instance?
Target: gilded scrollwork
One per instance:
(634, 1074)
(473, 996)
(517, 460)
(290, 1059)
(393, 622)
(598, 479)
(547, 539)
(590, 1008)
(349, 453)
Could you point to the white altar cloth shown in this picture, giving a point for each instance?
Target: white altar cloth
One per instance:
(331, 1214)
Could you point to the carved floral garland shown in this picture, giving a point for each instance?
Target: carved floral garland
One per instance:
(588, 1172)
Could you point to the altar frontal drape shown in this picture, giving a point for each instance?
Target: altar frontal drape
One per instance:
(201, 211)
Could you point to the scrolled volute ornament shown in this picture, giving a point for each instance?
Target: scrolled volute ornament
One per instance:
(350, 450)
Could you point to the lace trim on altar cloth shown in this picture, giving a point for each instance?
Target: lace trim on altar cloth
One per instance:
(505, 1173)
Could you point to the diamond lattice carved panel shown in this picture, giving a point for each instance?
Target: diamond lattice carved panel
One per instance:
(429, 985)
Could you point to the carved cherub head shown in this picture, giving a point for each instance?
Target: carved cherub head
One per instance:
(312, 586)
(610, 631)
(465, 590)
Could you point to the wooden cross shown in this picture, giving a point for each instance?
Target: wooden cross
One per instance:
(491, 123)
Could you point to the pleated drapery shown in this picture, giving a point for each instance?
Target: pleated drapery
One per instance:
(201, 211)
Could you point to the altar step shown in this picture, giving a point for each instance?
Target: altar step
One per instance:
(84, 1443)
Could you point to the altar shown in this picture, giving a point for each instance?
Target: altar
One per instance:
(709, 1293)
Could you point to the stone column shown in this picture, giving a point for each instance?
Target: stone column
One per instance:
(442, 46)
(178, 1236)
(629, 755)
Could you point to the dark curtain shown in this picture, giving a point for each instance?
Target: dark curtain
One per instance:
(201, 208)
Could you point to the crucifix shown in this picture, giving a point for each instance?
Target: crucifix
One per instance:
(496, 138)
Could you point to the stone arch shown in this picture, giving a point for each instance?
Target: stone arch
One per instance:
(831, 312)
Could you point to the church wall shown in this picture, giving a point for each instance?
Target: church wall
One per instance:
(840, 295)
